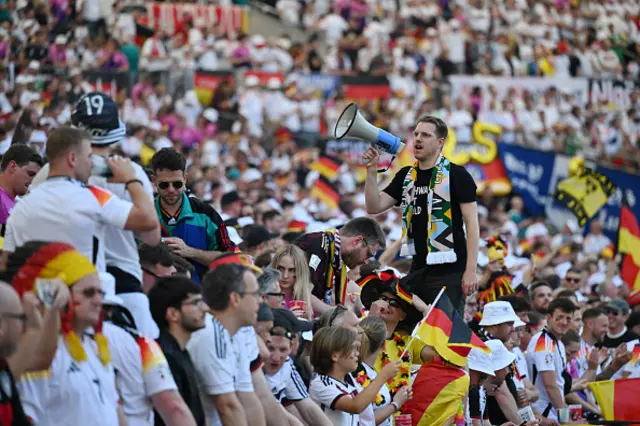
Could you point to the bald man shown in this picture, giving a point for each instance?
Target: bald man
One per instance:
(12, 319)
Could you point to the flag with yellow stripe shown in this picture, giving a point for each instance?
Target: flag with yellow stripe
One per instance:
(326, 192)
(629, 245)
(585, 193)
(326, 166)
(446, 331)
(617, 399)
(438, 390)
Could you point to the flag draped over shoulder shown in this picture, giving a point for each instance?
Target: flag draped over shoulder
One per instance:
(584, 193)
(629, 245)
(326, 192)
(617, 398)
(437, 392)
(445, 330)
(326, 166)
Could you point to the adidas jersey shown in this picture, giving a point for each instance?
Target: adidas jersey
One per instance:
(286, 385)
(71, 392)
(66, 210)
(222, 364)
(141, 372)
(326, 391)
(545, 354)
(582, 358)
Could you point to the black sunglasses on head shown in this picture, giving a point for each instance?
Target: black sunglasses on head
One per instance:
(177, 184)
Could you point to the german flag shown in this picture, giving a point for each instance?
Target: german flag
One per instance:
(446, 331)
(326, 192)
(629, 245)
(326, 166)
(617, 399)
(297, 226)
(437, 392)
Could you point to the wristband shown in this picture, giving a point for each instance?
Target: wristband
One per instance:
(127, 183)
(395, 405)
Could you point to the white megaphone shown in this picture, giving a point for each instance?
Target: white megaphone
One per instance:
(352, 124)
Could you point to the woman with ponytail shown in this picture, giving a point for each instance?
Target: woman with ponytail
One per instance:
(79, 384)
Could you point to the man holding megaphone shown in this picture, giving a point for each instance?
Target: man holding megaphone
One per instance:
(438, 200)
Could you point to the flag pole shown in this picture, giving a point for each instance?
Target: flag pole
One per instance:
(415, 330)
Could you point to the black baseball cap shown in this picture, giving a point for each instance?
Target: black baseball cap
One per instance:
(286, 319)
(264, 313)
(257, 235)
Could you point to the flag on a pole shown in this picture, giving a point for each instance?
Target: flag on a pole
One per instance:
(629, 245)
(446, 331)
(617, 399)
(326, 166)
(584, 193)
(326, 192)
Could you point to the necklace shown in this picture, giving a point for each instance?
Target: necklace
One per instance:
(387, 355)
(363, 379)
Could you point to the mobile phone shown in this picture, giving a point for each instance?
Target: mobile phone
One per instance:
(44, 290)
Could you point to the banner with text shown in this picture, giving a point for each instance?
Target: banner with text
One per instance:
(170, 17)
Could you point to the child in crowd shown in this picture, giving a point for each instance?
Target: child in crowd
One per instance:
(334, 354)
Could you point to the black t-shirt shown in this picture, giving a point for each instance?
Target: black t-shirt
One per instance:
(11, 412)
(36, 52)
(317, 247)
(496, 416)
(184, 374)
(463, 190)
(627, 336)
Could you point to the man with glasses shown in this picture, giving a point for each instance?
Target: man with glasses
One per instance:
(618, 311)
(190, 228)
(231, 292)
(179, 310)
(270, 288)
(572, 282)
(156, 262)
(330, 253)
(80, 381)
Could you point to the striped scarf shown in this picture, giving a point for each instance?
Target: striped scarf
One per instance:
(439, 223)
(336, 280)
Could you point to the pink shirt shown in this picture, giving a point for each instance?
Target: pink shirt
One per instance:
(6, 204)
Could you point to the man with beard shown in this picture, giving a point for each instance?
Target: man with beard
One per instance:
(179, 310)
(192, 229)
(541, 294)
(331, 252)
(438, 201)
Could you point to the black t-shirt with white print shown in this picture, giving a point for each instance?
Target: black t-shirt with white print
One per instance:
(463, 190)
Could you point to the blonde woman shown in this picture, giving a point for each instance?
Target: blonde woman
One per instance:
(291, 262)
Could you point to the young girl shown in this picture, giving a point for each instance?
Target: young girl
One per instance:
(373, 341)
(334, 355)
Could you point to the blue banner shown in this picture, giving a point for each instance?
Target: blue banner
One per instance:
(628, 186)
(530, 174)
(535, 174)
(322, 82)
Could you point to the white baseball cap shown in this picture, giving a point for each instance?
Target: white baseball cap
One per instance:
(478, 360)
(500, 355)
(499, 312)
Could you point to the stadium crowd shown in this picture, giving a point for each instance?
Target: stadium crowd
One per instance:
(173, 262)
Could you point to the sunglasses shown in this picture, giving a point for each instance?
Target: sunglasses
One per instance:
(177, 184)
(90, 293)
(612, 312)
(572, 279)
(392, 302)
(278, 295)
(195, 302)
(19, 317)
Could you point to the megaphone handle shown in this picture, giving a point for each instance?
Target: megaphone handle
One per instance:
(388, 167)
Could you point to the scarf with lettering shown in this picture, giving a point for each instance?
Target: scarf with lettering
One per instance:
(337, 272)
(439, 223)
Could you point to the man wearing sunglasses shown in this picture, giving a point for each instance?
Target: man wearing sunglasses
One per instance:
(618, 311)
(191, 228)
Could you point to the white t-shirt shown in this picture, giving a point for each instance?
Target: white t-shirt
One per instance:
(286, 385)
(220, 363)
(326, 391)
(520, 364)
(545, 354)
(141, 372)
(65, 210)
(366, 417)
(71, 392)
(384, 392)
(633, 366)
